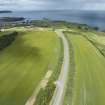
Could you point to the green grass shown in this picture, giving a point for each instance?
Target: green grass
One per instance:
(5, 32)
(95, 37)
(24, 63)
(89, 86)
(98, 40)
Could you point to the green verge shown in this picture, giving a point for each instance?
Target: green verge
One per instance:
(24, 63)
(45, 95)
(89, 87)
(71, 74)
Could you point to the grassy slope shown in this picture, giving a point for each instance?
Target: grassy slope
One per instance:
(95, 37)
(89, 88)
(23, 65)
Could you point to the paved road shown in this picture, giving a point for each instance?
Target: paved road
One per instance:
(61, 83)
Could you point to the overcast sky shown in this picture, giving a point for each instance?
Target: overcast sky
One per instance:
(52, 4)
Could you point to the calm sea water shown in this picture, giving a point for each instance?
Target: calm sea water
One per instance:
(92, 18)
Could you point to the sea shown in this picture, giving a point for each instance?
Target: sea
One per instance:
(91, 18)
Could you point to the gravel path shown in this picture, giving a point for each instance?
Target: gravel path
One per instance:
(61, 83)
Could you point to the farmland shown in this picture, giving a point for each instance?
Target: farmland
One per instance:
(89, 87)
(24, 64)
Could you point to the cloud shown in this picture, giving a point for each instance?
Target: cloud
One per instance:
(52, 4)
(21, 4)
(95, 6)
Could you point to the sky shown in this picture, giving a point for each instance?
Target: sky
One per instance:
(52, 4)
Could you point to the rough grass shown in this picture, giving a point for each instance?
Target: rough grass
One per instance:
(24, 63)
(89, 87)
(98, 41)
(95, 37)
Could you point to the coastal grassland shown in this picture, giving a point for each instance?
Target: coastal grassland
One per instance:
(89, 87)
(96, 37)
(24, 63)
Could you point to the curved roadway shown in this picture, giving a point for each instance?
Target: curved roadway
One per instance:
(62, 81)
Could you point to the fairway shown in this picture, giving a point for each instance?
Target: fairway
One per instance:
(24, 64)
(89, 86)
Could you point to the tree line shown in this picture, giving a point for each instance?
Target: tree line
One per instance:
(7, 39)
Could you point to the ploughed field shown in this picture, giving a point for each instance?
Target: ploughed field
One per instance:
(89, 79)
(24, 63)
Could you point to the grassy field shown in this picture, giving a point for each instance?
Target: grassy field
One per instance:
(24, 63)
(95, 37)
(89, 86)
